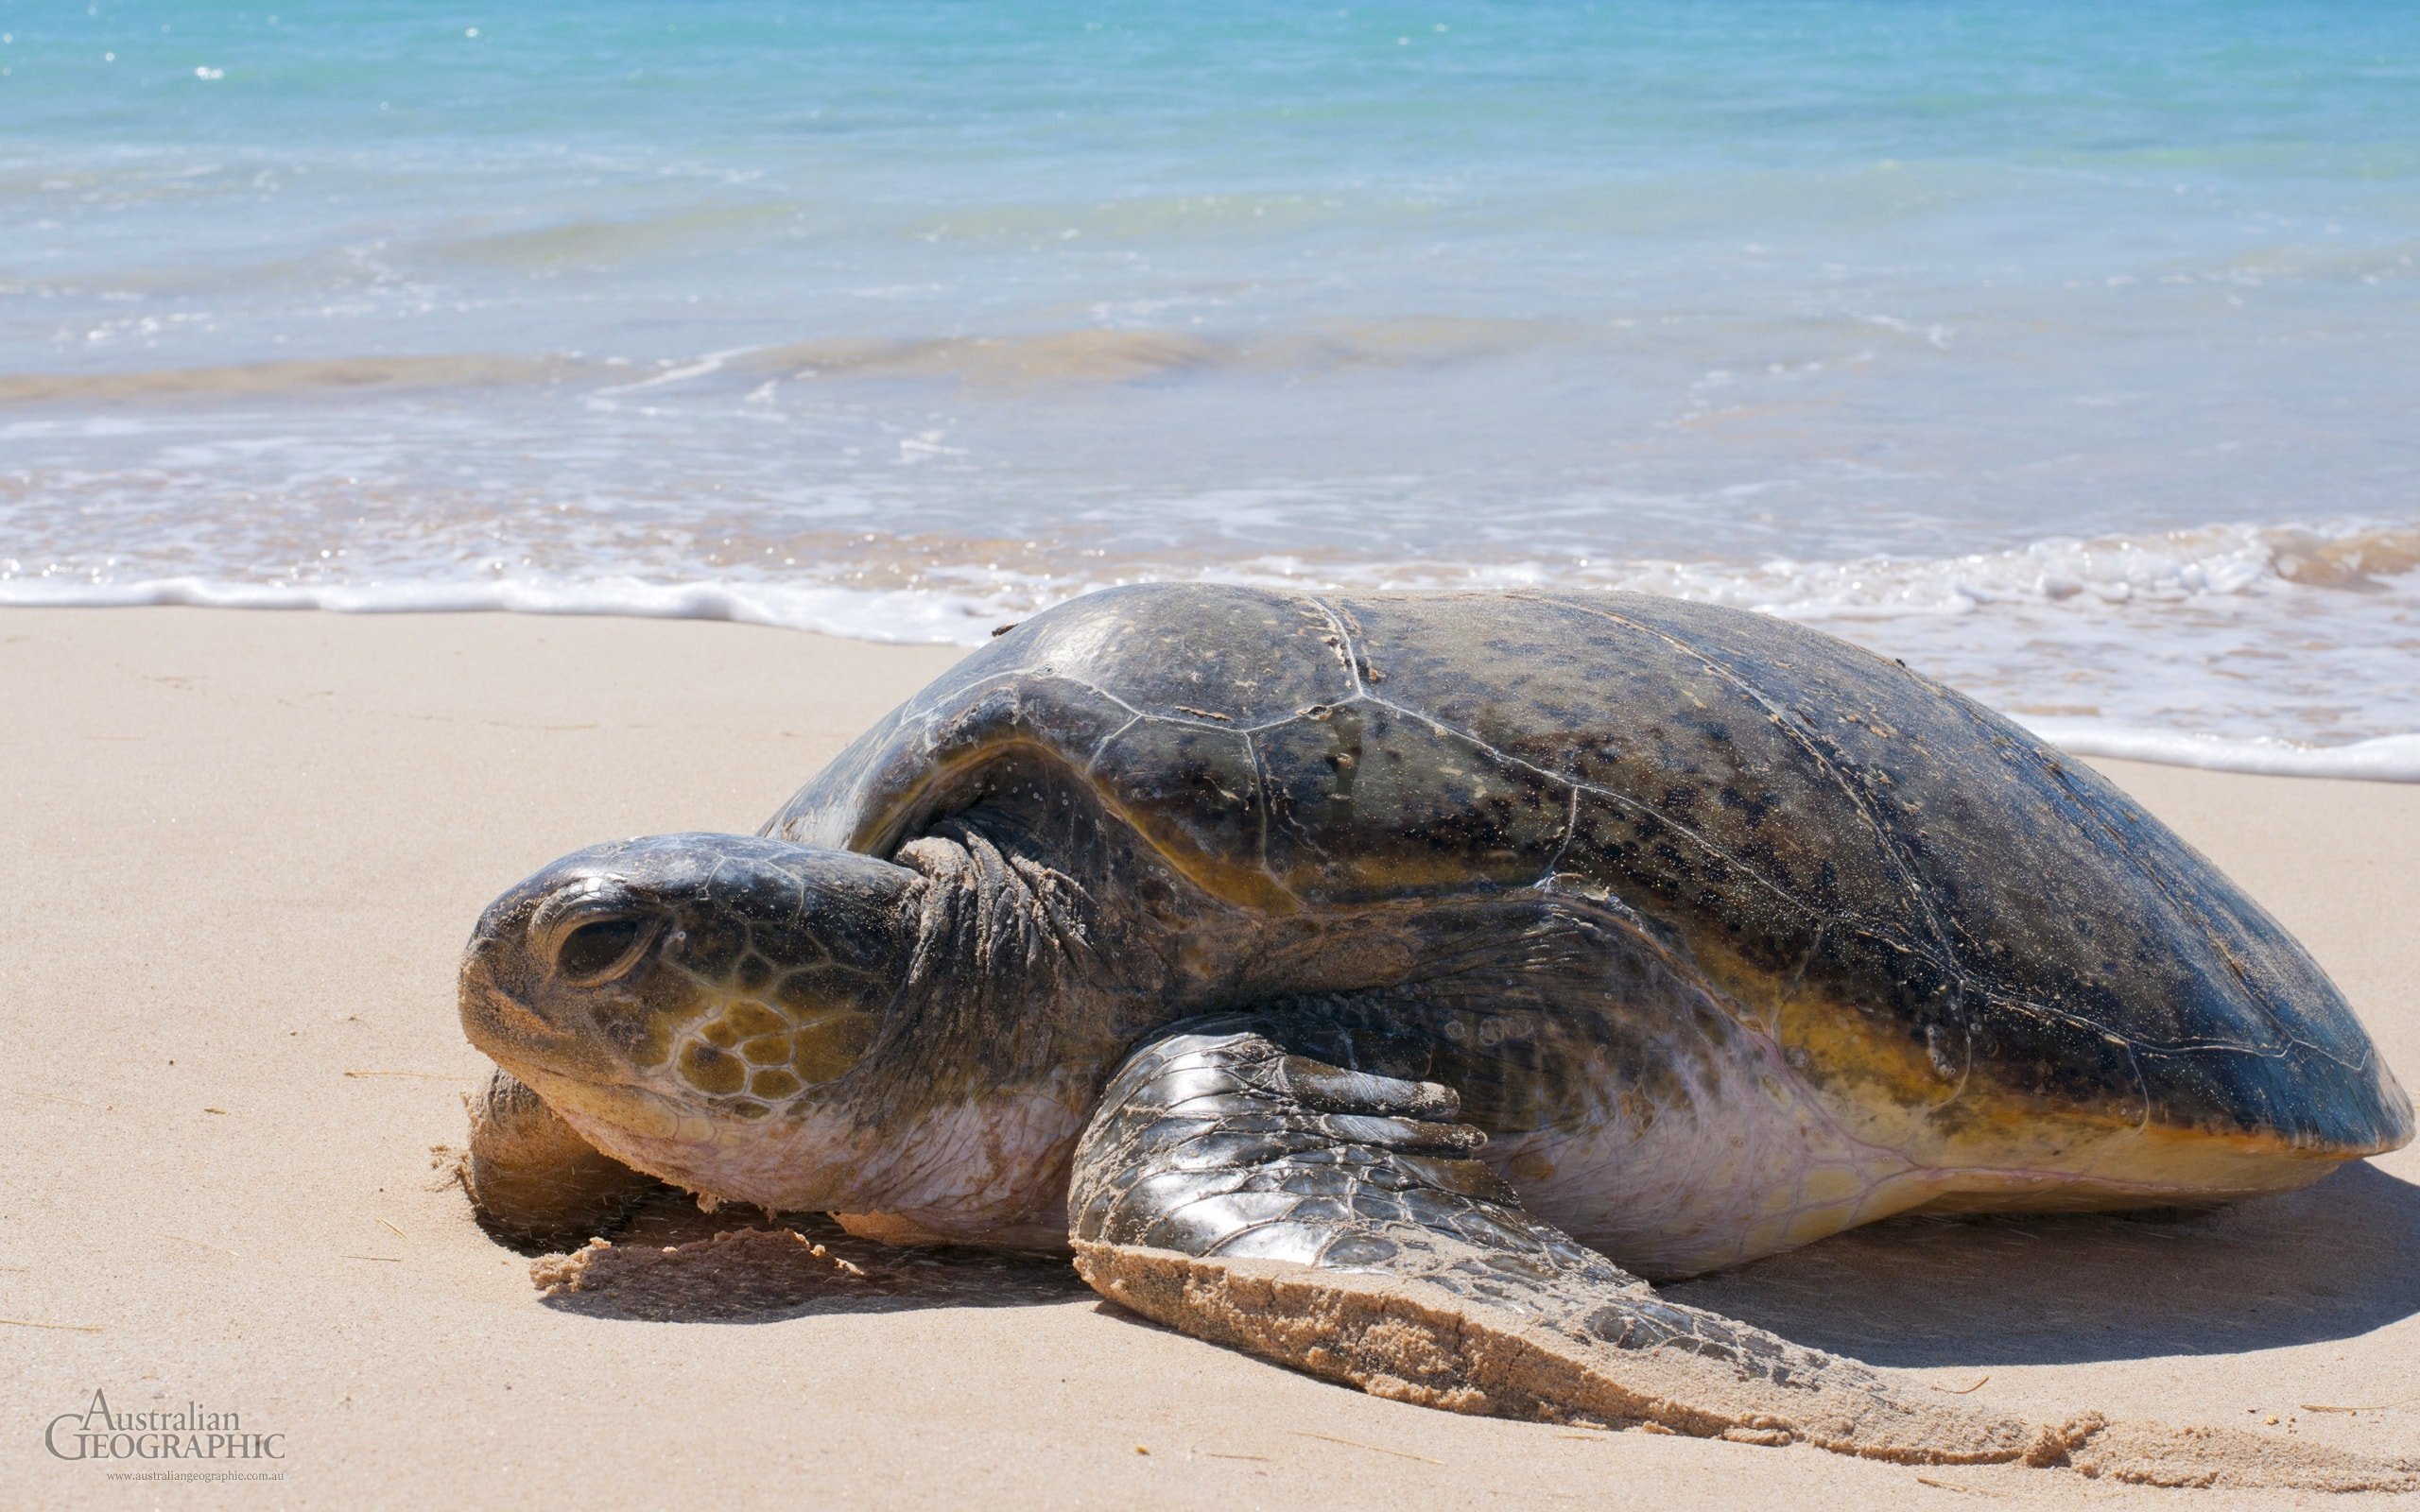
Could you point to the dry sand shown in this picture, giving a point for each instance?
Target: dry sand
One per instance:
(244, 849)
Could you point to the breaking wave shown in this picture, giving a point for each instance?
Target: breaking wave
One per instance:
(2274, 648)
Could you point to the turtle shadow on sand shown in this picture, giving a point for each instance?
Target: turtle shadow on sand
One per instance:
(2335, 1260)
(672, 1263)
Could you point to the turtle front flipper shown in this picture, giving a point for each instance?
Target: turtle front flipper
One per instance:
(533, 1181)
(1338, 1222)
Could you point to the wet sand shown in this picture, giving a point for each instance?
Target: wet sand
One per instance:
(246, 848)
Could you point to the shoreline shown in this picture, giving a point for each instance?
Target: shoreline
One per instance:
(931, 622)
(249, 847)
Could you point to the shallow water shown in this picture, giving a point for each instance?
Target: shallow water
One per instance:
(2065, 352)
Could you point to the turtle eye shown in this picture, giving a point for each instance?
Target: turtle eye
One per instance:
(600, 948)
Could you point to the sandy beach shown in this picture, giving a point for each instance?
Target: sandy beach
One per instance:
(247, 848)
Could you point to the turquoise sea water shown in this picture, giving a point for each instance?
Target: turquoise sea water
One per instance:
(2069, 351)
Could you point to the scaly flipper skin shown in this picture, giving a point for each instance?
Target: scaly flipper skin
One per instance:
(1338, 1222)
(533, 1181)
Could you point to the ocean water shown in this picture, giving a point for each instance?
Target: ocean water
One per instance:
(2067, 350)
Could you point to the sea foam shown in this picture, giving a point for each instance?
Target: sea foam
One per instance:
(2383, 758)
(2277, 649)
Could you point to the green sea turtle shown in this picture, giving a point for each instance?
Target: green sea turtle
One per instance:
(1385, 984)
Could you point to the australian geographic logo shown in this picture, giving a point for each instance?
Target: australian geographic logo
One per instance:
(190, 1432)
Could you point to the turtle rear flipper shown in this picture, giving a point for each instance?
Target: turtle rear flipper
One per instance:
(533, 1182)
(1337, 1222)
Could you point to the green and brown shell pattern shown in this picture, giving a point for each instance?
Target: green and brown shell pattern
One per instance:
(1981, 950)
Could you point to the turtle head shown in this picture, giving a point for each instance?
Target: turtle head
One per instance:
(679, 999)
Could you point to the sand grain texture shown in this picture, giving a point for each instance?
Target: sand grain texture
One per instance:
(246, 847)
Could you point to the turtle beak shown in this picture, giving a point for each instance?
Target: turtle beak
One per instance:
(495, 1020)
(487, 1008)
(499, 1002)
